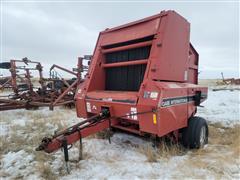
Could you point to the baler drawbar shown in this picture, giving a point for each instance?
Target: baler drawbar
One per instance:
(92, 125)
(80, 130)
(73, 133)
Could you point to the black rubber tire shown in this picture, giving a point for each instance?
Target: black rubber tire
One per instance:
(195, 136)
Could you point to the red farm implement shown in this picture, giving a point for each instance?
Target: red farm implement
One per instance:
(32, 92)
(143, 79)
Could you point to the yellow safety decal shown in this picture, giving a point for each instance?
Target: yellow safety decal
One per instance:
(154, 119)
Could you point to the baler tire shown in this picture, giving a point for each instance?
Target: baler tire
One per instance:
(195, 136)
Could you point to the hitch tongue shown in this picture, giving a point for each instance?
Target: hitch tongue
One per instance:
(44, 144)
(61, 135)
(74, 133)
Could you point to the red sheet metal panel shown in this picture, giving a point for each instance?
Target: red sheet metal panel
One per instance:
(128, 33)
(115, 96)
(170, 50)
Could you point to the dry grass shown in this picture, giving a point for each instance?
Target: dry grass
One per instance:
(149, 152)
(164, 150)
(170, 149)
(3, 144)
(221, 140)
(101, 135)
(225, 136)
(28, 137)
(23, 137)
(45, 171)
(222, 153)
(209, 82)
(4, 175)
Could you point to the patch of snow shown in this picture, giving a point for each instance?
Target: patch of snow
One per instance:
(119, 160)
(16, 117)
(17, 164)
(4, 128)
(221, 106)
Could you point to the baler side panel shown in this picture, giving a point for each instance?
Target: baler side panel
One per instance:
(171, 52)
(81, 108)
(192, 65)
(96, 72)
(172, 116)
(148, 100)
(192, 91)
(80, 101)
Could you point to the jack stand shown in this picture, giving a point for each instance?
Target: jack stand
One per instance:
(109, 136)
(80, 147)
(109, 131)
(155, 141)
(66, 157)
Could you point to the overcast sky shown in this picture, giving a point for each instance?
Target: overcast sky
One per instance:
(59, 32)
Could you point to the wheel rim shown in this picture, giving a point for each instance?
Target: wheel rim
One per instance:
(203, 136)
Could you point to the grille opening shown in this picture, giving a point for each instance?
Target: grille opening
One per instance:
(128, 55)
(126, 78)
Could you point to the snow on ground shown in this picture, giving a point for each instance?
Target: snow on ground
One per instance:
(222, 106)
(21, 132)
(17, 163)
